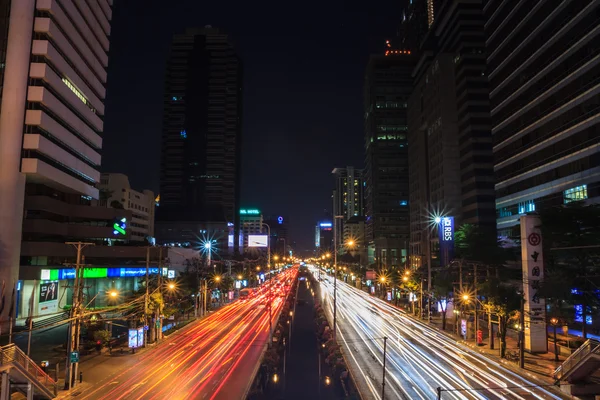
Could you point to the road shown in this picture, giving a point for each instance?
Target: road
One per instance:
(419, 358)
(214, 359)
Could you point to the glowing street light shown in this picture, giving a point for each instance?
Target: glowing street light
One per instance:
(437, 220)
(113, 293)
(171, 286)
(239, 277)
(217, 279)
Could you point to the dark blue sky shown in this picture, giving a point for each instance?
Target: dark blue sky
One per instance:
(304, 66)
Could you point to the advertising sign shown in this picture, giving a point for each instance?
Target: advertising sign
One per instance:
(140, 336)
(389, 296)
(133, 338)
(258, 240)
(136, 337)
(371, 275)
(48, 300)
(463, 328)
(171, 274)
(532, 260)
(446, 236)
(479, 337)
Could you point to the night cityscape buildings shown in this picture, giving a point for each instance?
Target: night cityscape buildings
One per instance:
(348, 198)
(388, 85)
(451, 160)
(201, 140)
(542, 65)
(53, 77)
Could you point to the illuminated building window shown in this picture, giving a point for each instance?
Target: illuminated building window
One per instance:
(577, 193)
(78, 93)
(526, 206)
(183, 134)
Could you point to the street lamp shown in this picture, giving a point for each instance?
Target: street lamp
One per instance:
(554, 322)
(270, 283)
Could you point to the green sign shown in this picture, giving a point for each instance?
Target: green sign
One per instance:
(250, 211)
(95, 273)
(74, 356)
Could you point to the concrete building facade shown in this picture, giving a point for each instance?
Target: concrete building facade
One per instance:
(115, 188)
(543, 64)
(54, 56)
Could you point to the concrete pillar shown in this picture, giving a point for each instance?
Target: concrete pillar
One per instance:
(5, 388)
(12, 117)
(29, 391)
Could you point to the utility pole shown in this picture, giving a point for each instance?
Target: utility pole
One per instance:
(476, 303)
(522, 333)
(147, 297)
(384, 357)
(158, 309)
(335, 276)
(74, 325)
(270, 283)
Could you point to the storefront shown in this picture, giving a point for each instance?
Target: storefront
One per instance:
(53, 291)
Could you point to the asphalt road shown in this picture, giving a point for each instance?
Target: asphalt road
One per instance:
(213, 359)
(419, 358)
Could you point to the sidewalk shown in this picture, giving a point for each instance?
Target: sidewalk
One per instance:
(538, 366)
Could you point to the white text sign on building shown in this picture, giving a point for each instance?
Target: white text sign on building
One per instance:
(533, 276)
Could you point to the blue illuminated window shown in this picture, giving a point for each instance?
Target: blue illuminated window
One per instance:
(183, 134)
(403, 202)
(526, 206)
(577, 193)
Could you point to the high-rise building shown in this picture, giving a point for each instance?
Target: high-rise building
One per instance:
(251, 223)
(388, 85)
(348, 199)
(54, 57)
(324, 237)
(543, 67)
(115, 191)
(201, 140)
(451, 167)
(280, 241)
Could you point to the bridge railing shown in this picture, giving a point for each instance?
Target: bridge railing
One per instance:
(590, 346)
(11, 355)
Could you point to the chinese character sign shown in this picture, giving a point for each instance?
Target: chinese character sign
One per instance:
(446, 237)
(533, 276)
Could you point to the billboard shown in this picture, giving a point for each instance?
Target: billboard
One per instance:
(258, 240)
(371, 275)
(48, 300)
(446, 236)
(136, 337)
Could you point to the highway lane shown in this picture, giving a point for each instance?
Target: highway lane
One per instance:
(214, 359)
(419, 358)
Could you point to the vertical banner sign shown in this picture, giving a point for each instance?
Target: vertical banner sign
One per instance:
(48, 300)
(533, 275)
(446, 236)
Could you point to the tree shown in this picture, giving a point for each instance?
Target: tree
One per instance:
(473, 244)
(571, 240)
(443, 292)
(102, 337)
(504, 301)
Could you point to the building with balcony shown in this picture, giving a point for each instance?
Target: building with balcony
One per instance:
(543, 65)
(54, 56)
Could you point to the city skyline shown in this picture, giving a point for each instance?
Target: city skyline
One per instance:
(308, 125)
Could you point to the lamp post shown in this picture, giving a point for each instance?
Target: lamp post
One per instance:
(554, 322)
(335, 276)
(269, 267)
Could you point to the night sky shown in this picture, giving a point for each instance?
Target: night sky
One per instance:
(304, 66)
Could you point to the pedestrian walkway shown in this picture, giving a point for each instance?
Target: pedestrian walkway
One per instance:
(304, 378)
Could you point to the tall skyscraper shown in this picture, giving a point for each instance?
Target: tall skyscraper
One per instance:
(388, 85)
(348, 198)
(54, 57)
(451, 165)
(543, 66)
(201, 141)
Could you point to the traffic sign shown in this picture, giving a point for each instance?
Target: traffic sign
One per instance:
(74, 356)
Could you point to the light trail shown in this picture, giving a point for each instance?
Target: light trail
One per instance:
(216, 355)
(419, 358)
